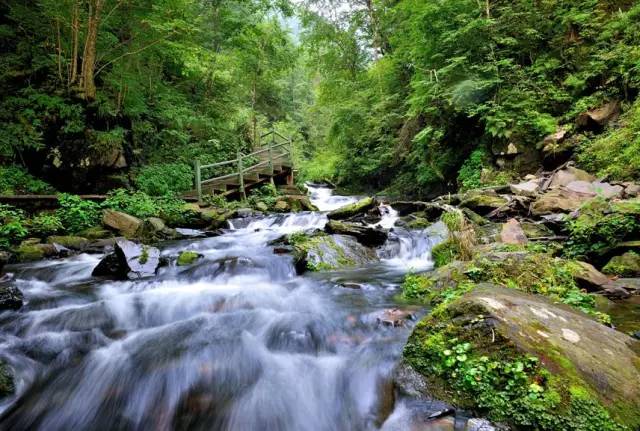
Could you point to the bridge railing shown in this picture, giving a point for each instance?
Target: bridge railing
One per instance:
(278, 147)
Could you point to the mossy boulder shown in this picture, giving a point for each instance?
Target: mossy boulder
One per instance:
(320, 252)
(71, 242)
(28, 251)
(526, 361)
(356, 208)
(626, 265)
(7, 386)
(96, 232)
(187, 258)
(483, 201)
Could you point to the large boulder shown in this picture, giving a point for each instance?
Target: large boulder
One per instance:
(483, 201)
(327, 252)
(125, 224)
(356, 208)
(528, 188)
(368, 236)
(599, 117)
(431, 211)
(558, 200)
(555, 366)
(570, 174)
(129, 260)
(32, 249)
(153, 229)
(11, 297)
(592, 280)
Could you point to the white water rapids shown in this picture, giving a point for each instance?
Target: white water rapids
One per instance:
(236, 341)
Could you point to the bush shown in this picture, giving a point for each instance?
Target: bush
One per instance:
(77, 214)
(15, 180)
(137, 204)
(267, 194)
(164, 179)
(45, 225)
(477, 171)
(12, 228)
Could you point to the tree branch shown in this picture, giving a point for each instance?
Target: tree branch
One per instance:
(137, 51)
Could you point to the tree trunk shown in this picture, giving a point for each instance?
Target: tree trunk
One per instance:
(75, 41)
(87, 79)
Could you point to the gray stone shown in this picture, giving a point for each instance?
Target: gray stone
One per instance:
(529, 188)
(129, 261)
(512, 233)
(124, 223)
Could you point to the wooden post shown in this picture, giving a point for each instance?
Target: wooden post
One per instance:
(241, 175)
(270, 146)
(196, 167)
(290, 178)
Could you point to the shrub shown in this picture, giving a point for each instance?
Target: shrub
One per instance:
(267, 194)
(163, 179)
(415, 286)
(77, 214)
(12, 228)
(45, 224)
(138, 204)
(15, 180)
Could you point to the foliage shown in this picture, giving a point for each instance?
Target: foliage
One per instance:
(444, 253)
(408, 89)
(615, 154)
(267, 194)
(504, 384)
(45, 224)
(12, 225)
(600, 225)
(163, 179)
(76, 213)
(139, 204)
(15, 180)
(462, 236)
(415, 286)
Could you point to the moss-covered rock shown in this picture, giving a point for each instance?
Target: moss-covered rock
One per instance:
(626, 265)
(368, 236)
(7, 386)
(30, 250)
(360, 207)
(320, 252)
(483, 201)
(187, 258)
(523, 360)
(72, 242)
(96, 232)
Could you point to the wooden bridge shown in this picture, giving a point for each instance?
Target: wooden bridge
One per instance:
(272, 163)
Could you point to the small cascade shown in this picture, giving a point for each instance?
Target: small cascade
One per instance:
(389, 217)
(324, 199)
(410, 250)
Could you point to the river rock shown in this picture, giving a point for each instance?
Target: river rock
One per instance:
(483, 201)
(582, 357)
(329, 252)
(395, 317)
(592, 280)
(153, 229)
(11, 297)
(124, 223)
(558, 200)
(368, 236)
(596, 118)
(356, 208)
(129, 261)
(29, 251)
(570, 174)
(512, 233)
(625, 265)
(528, 188)
(188, 257)
(77, 243)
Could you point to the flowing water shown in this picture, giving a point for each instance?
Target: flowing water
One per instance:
(236, 341)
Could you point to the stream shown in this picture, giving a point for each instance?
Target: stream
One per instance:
(236, 341)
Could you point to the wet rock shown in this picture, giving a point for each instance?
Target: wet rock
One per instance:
(576, 350)
(282, 206)
(329, 252)
(153, 229)
(512, 233)
(528, 188)
(243, 213)
(29, 251)
(7, 386)
(296, 203)
(368, 236)
(124, 223)
(592, 280)
(11, 297)
(354, 286)
(187, 258)
(625, 265)
(429, 210)
(356, 208)
(483, 201)
(411, 384)
(395, 317)
(261, 206)
(129, 261)
(77, 243)
(96, 232)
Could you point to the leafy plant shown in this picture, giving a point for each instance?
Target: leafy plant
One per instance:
(163, 179)
(76, 213)
(15, 180)
(45, 224)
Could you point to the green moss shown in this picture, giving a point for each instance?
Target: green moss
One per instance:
(600, 225)
(496, 379)
(187, 258)
(144, 257)
(444, 253)
(416, 287)
(626, 265)
(29, 252)
(419, 223)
